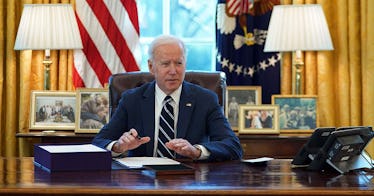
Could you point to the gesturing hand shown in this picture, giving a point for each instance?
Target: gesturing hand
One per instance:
(184, 148)
(128, 141)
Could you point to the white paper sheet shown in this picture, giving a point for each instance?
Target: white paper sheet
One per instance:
(258, 160)
(138, 162)
(72, 148)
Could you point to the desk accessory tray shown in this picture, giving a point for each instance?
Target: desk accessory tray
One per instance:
(177, 169)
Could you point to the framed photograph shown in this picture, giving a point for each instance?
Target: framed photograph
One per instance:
(236, 95)
(258, 119)
(92, 109)
(52, 110)
(297, 113)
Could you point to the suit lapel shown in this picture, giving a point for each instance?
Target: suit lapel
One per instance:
(148, 119)
(186, 106)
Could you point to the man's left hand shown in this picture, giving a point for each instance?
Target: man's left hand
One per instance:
(184, 148)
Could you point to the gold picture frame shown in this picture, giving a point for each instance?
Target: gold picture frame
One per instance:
(92, 109)
(297, 113)
(258, 119)
(237, 95)
(52, 110)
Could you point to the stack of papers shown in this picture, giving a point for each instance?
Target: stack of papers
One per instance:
(71, 148)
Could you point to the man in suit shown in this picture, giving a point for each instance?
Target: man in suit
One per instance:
(201, 130)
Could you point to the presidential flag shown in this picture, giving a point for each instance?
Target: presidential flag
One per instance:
(110, 35)
(241, 29)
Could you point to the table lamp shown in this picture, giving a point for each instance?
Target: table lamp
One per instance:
(48, 27)
(297, 28)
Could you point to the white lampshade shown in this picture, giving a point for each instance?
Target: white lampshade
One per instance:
(298, 27)
(48, 27)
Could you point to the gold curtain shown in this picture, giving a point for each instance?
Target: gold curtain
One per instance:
(21, 72)
(343, 78)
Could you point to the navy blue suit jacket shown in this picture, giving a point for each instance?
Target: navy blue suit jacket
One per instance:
(200, 121)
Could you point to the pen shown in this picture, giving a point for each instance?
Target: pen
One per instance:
(137, 137)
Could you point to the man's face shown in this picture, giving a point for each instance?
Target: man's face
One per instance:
(168, 66)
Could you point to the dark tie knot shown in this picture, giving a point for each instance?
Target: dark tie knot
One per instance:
(168, 99)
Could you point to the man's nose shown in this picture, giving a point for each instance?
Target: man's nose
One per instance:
(173, 68)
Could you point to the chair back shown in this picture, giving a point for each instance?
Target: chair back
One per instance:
(119, 83)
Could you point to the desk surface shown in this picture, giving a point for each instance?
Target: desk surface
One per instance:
(253, 145)
(19, 176)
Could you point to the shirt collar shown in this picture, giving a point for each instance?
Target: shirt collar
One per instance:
(160, 95)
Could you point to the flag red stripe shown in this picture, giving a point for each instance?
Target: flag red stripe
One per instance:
(114, 34)
(93, 56)
(233, 6)
(77, 80)
(238, 7)
(244, 6)
(130, 6)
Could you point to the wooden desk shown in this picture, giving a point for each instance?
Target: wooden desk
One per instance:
(19, 177)
(57, 136)
(277, 146)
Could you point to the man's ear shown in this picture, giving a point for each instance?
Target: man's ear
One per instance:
(150, 67)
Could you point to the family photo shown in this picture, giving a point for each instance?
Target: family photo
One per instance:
(56, 111)
(258, 119)
(52, 110)
(237, 95)
(297, 112)
(93, 109)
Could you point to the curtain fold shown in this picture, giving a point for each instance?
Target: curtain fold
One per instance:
(367, 69)
(311, 70)
(2, 65)
(10, 93)
(343, 78)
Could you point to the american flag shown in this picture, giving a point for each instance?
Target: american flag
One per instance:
(238, 7)
(240, 38)
(110, 35)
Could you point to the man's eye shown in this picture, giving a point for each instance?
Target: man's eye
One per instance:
(179, 63)
(164, 63)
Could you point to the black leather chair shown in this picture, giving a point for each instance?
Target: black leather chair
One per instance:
(118, 83)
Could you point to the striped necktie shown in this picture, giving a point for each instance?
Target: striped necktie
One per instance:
(166, 129)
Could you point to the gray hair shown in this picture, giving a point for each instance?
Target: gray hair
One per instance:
(165, 39)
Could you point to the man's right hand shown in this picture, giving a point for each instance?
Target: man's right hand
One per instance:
(128, 141)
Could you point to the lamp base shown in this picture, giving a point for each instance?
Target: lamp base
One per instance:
(297, 74)
(47, 62)
(297, 83)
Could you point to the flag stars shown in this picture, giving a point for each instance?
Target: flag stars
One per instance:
(272, 61)
(251, 71)
(245, 71)
(263, 65)
(225, 62)
(231, 67)
(239, 69)
(219, 58)
(279, 56)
